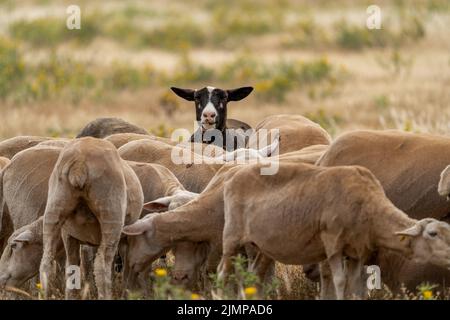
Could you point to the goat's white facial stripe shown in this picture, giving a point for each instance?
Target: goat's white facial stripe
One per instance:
(210, 108)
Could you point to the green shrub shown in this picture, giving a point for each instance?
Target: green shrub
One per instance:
(12, 67)
(51, 31)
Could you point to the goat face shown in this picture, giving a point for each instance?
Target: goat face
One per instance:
(211, 104)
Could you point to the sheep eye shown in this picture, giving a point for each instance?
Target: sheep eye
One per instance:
(432, 233)
(13, 245)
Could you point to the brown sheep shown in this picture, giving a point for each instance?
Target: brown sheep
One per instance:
(103, 127)
(89, 172)
(306, 220)
(25, 202)
(194, 177)
(296, 132)
(408, 166)
(9, 147)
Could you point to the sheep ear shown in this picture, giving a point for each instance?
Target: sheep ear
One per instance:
(25, 236)
(158, 205)
(138, 227)
(414, 231)
(187, 94)
(239, 93)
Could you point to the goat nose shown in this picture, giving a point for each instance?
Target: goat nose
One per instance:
(208, 114)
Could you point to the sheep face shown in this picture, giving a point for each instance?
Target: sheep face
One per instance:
(21, 258)
(142, 247)
(444, 183)
(189, 257)
(430, 242)
(211, 103)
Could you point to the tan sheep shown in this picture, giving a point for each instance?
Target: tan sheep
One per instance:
(89, 173)
(103, 127)
(408, 165)
(23, 188)
(9, 147)
(307, 220)
(119, 139)
(26, 202)
(296, 132)
(202, 218)
(194, 177)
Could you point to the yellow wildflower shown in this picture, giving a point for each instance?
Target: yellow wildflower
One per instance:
(195, 296)
(250, 291)
(160, 272)
(427, 294)
(39, 286)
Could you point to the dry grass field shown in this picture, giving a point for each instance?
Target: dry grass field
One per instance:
(314, 58)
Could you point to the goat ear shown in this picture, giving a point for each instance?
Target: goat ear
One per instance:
(25, 236)
(138, 227)
(187, 94)
(239, 93)
(414, 231)
(158, 205)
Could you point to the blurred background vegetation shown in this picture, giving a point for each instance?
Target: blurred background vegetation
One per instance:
(315, 58)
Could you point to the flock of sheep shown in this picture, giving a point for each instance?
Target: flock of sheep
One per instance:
(366, 198)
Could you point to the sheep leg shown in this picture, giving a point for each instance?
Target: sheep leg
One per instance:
(327, 291)
(72, 248)
(260, 266)
(230, 249)
(59, 206)
(104, 259)
(355, 286)
(339, 278)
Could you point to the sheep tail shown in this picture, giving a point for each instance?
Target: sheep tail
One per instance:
(77, 173)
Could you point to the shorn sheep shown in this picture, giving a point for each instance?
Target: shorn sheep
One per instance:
(318, 214)
(89, 172)
(408, 166)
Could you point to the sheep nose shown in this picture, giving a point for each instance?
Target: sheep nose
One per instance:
(210, 115)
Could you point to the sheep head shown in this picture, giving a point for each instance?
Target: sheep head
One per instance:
(21, 257)
(429, 241)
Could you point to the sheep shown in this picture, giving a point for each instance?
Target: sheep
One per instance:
(23, 188)
(103, 127)
(9, 147)
(156, 181)
(58, 143)
(4, 162)
(211, 114)
(308, 154)
(194, 176)
(202, 218)
(444, 183)
(296, 132)
(305, 220)
(120, 139)
(199, 221)
(89, 173)
(401, 162)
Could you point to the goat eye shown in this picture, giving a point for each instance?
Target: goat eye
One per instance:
(432, 233)
(13, 245)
